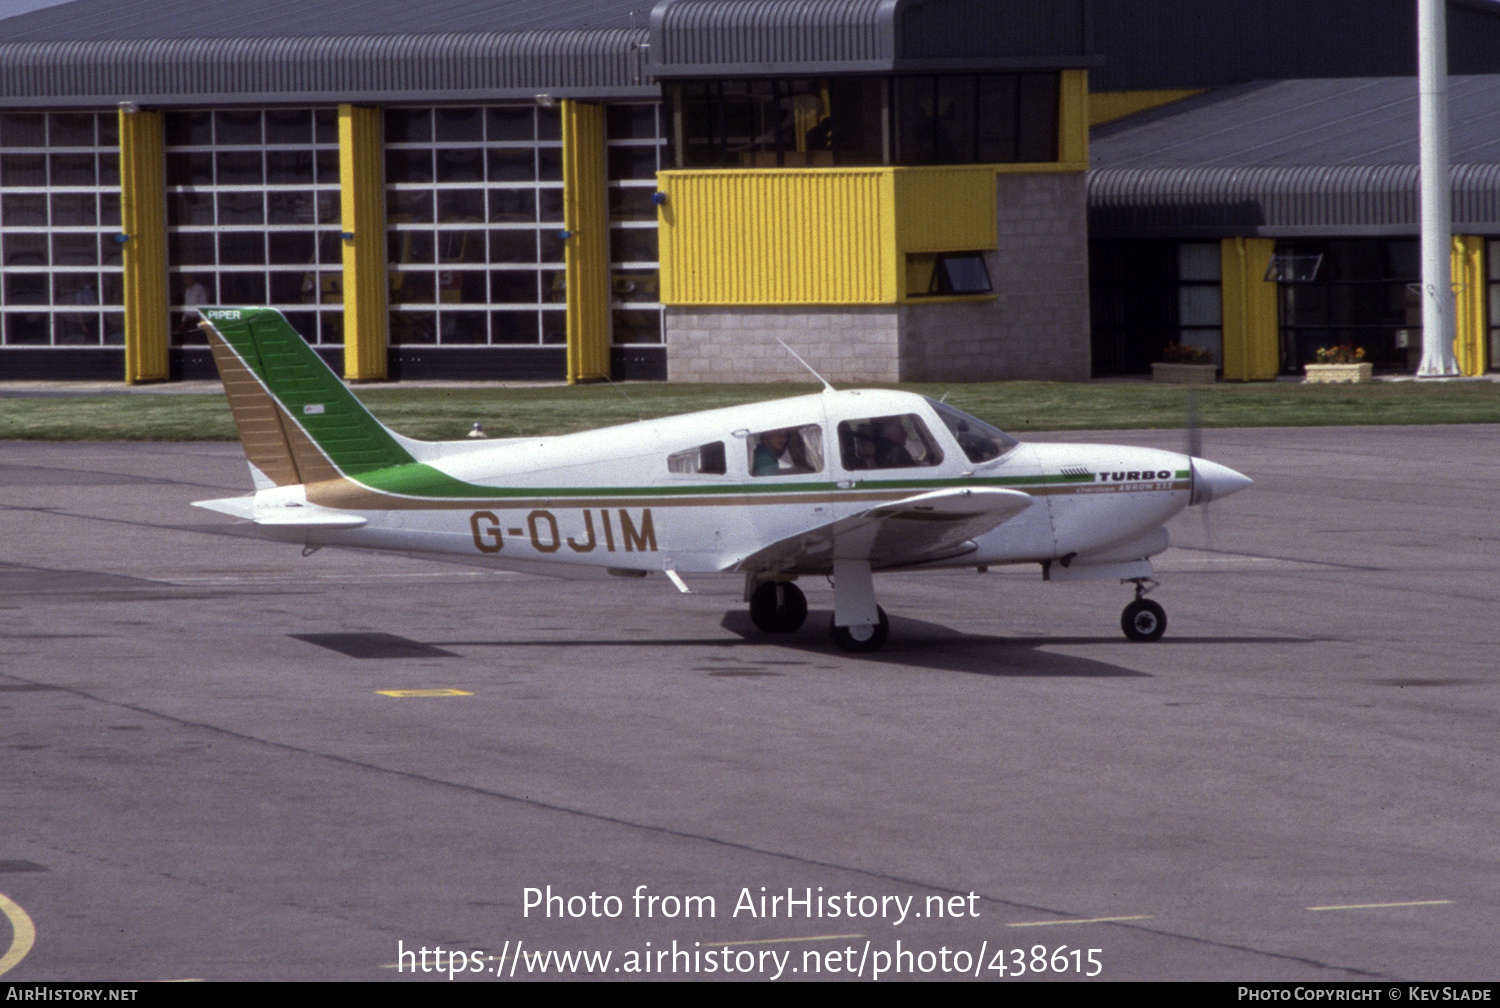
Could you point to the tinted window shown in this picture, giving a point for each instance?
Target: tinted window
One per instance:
(979, 441)
(888, 442)
(707, 459)
(786, 451)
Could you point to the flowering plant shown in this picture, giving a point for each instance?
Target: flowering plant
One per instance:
(1341, 354)
(1179, 353)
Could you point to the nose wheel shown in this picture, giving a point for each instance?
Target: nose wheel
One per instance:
(1143, 619)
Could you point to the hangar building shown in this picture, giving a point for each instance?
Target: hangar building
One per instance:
(899, 189)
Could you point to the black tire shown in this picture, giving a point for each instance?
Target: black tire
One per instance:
(851, 639)
(778, 607)
(1143, 620)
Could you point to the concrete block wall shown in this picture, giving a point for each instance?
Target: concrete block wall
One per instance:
(1036, 326)
(733, 343)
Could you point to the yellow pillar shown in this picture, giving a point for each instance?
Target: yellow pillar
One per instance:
(143, 220)
(1251, 318)
(1469, 290)
(362, 193)
(1073, 118)
(586, 255)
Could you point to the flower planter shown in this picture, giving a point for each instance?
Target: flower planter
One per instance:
(1353, 374)
(1184, 374)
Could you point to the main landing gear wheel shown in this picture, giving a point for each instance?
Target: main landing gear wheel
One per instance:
(861, 638)
(1143, 620)
(778, 607)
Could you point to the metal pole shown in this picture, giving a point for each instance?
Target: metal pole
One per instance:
(1438, 332)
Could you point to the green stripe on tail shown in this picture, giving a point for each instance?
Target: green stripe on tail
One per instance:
(308, 390)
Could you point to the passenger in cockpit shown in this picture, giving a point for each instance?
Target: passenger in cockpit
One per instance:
(771, 456)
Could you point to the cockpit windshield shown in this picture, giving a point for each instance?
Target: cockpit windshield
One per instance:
(979, 440)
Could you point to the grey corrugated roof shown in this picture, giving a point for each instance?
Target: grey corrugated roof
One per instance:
(1361, 121)
(218, 52)
(205, 52)
(1283, 202)
(374, 69)
(1289, 158)
(84, 20)
(734, 37)
(175, 52)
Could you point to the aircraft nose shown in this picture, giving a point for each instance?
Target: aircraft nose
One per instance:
(1212, 481)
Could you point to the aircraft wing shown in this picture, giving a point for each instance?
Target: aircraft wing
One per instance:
(915, 530)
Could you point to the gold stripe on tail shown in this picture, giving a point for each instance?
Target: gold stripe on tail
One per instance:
(273, 443)
(256, 414)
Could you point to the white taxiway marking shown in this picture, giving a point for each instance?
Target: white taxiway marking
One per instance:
(1079, 920)
(1377, 906)
(280, 577)
(776, 941)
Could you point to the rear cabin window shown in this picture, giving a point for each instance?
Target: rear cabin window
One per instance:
(786, 451)
(707, 459)
(889, 442)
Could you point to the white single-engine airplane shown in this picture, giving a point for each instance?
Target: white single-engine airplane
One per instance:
(835, 483)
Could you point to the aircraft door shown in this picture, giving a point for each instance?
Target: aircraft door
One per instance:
(789, 478)
(887, 456)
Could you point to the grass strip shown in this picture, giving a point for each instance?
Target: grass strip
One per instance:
(444, 413)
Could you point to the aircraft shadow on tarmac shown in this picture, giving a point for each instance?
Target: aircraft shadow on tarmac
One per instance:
(920, 644)
(913, 643)
(923, 645)
(939, 650)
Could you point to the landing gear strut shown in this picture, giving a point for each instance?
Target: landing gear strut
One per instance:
(777, 607)
(858, 624)
(1143, 619)
(862, 636)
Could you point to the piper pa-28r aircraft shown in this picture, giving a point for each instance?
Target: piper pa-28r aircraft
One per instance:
(836, 483)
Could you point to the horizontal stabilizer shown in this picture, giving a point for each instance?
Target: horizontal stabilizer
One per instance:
(239, 507)
(914, 530)
(284, 514)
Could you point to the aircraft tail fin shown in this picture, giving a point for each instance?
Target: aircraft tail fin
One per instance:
(297, 420)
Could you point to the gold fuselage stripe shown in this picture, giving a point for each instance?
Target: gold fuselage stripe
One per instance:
(277, 445)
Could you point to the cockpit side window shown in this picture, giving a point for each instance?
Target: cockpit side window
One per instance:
(888, 442)
(707, 459)
(786, 451)
(979, 440)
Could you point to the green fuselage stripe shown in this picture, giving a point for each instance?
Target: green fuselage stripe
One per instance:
(423, 481)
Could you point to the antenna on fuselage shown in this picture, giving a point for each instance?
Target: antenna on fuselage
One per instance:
(826, 387)
(610, 382)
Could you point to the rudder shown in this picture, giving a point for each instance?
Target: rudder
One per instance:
(297, 420)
